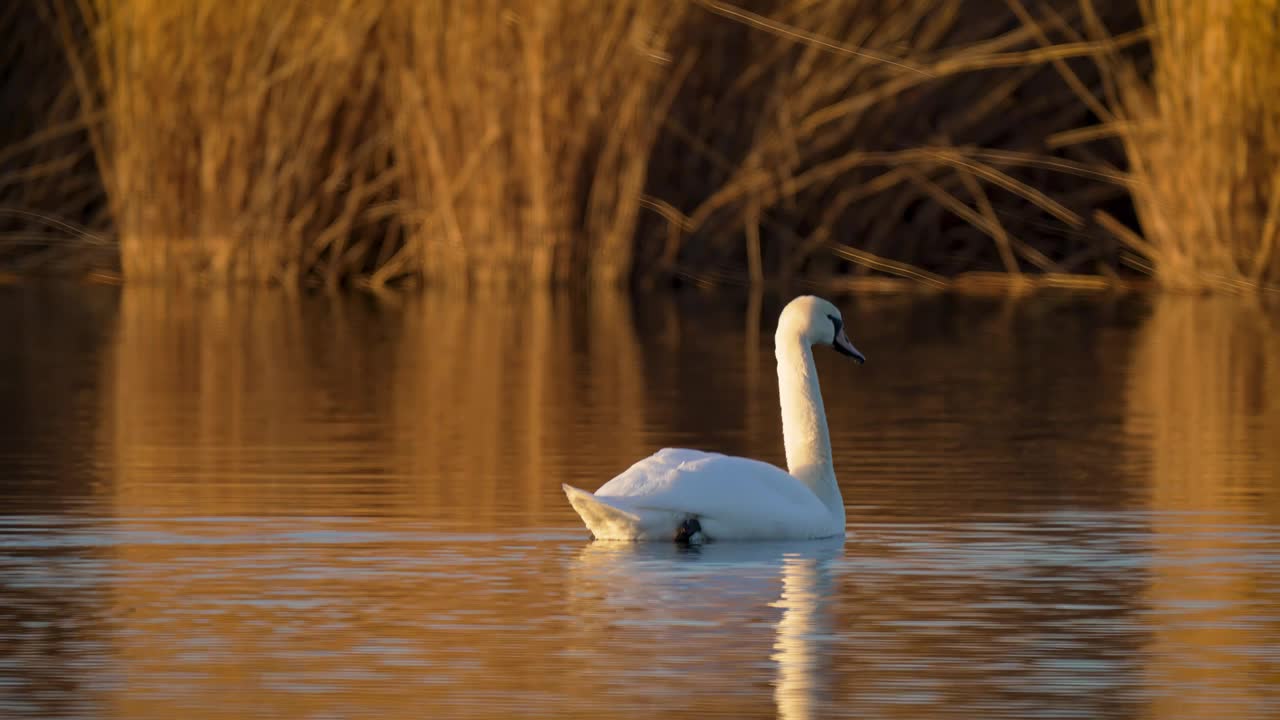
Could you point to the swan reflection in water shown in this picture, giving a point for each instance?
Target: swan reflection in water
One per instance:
(805, 625)
(688, 620)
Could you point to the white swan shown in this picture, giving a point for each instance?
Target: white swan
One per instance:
(692, 496)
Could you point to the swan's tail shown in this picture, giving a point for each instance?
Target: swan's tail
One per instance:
(605, 521)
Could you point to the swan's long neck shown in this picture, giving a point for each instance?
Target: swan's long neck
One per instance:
(804, 422)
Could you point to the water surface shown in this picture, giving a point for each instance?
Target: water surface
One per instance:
(261, 505)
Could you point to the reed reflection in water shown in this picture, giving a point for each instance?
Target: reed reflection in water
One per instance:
(254, 504)
(1205, 388)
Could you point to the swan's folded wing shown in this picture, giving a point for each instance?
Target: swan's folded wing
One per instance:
(748, 494)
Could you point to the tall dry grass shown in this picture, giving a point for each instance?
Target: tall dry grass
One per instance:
(1203, 142)
(52, 213)
(237, 139)
(534, 142)
(460, 142)
(908, 138)
(525, 129)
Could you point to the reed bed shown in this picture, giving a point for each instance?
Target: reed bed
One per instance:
(908, 139)
(528, 142)
(1202, 137)
(51, 201)
(238, 140)
(525, 129)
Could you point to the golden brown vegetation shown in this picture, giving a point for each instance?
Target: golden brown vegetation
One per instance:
(50, 197)
(528, 142)
(524, 129)
(238, 139)
(1203, 142)
(891, 139)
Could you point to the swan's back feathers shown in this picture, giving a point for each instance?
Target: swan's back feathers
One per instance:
(733, 498)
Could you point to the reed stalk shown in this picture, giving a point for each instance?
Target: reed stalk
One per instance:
(235, 139)
(525, 129)
(51, 201)
(533, 142)
(914, 133)
(1202, 137)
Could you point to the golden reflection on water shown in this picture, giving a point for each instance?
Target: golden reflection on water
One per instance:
(487, 393)
(470, 394)
(269, 404)
(311, 506)
(709, 617)
(214, 400)
(1205, 388)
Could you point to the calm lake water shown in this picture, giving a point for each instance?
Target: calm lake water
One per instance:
(251, 505)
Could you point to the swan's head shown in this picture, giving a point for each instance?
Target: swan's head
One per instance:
(816, 322)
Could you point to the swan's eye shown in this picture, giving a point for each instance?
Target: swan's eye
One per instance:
(836, 323)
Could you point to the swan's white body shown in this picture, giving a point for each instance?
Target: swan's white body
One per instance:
(734, 498)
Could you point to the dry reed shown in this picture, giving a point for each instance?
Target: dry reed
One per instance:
(909, 137)
(235, 138)
(530, 142)
(525, 129)
(1203, 142)
(51, 202)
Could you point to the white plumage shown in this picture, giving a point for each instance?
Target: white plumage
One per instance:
(733, 498)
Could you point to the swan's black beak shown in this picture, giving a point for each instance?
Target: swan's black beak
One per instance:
(844, 347)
